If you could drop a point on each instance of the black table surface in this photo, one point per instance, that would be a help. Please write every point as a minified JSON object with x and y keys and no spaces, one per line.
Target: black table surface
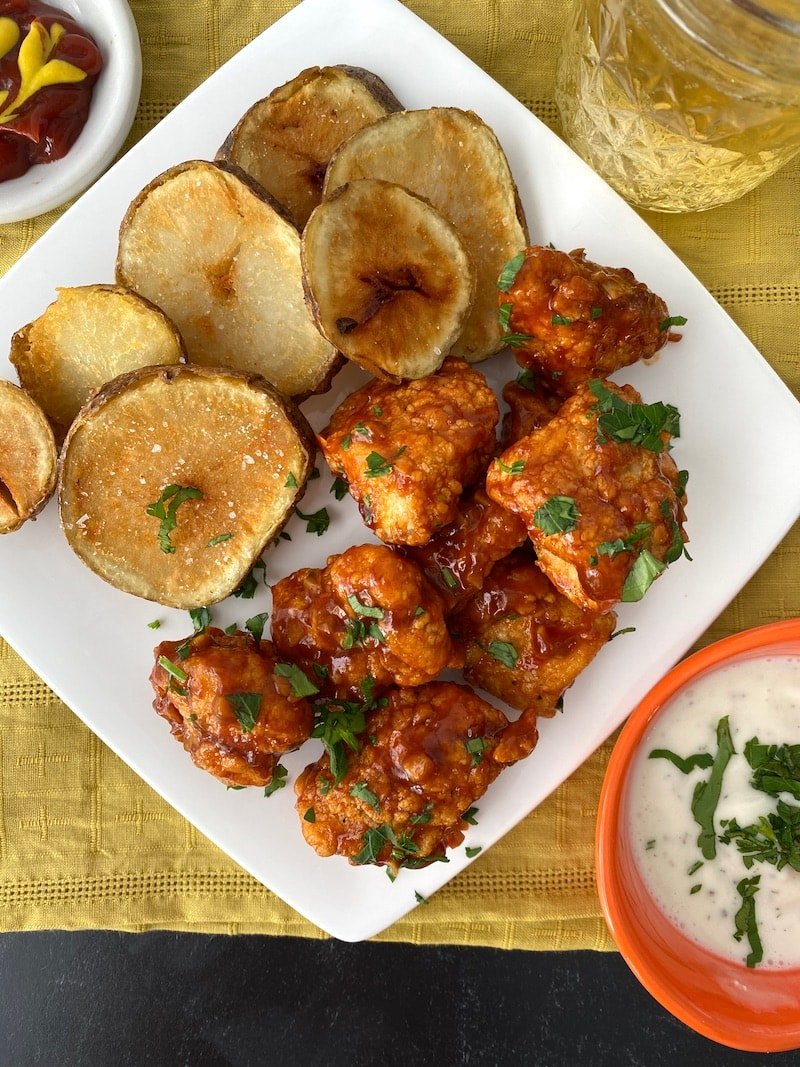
{"x":99,"y":998}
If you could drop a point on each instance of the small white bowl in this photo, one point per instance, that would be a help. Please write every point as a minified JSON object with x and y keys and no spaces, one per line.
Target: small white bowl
{"x":116,"y":95}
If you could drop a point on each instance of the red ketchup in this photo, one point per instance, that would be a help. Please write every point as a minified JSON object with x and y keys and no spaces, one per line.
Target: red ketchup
{"x":45,"y":92}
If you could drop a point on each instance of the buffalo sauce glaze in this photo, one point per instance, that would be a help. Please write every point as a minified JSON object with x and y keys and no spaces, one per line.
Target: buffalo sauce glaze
{"x":48,"y":69}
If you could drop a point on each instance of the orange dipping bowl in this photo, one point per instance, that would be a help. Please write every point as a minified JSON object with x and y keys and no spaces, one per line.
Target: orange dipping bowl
{"x":754,"y":1009}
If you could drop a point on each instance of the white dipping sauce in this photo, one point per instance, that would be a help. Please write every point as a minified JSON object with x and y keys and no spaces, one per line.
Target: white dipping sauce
{"x":762,"y":698}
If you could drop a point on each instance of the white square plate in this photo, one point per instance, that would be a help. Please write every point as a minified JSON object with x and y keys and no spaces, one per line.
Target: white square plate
{"x":741,"y":443}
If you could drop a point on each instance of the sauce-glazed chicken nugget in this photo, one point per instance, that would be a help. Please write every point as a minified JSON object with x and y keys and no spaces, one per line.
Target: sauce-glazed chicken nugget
{"x":368,"y":613}
{"x":408,"y":451}
{"x":459,"y":556}
{"x":583,"y":320}
{"x":523,"y":641}
{"x":428,"y":755}
{"x":531,"y":405}
{"x":599,"y":493}
{"x":226,"y":705}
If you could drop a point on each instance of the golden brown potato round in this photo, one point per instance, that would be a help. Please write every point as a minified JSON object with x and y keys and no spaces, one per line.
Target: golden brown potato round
{"x":86,"y":337}
{"x":227,"y":706}
{"x":387,"y":278}
{"x":27,"y":458}
{"x":175,"y":479}
{"x":285,"y":142}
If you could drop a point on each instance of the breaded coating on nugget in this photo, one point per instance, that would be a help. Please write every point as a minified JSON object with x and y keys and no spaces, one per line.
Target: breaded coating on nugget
{"x":368,"y":613}
{"x":583,"y":320}
{"x":226,"y":705}
{"x":427,"y":755}
{"x":599,"y":493}
{"x":408,"y":451}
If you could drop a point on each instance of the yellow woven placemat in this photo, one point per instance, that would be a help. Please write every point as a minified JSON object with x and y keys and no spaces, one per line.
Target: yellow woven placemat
{"x":84,"y":843}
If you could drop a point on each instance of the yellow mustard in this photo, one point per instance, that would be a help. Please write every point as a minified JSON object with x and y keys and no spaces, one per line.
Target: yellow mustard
{"x":37,"y":70}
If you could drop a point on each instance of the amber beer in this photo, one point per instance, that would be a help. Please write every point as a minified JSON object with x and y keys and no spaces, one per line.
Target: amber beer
{"x":682,"y":106}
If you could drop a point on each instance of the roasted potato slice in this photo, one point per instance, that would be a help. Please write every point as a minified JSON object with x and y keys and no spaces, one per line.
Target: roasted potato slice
{"x":216,"y":253}
{"x":27,"y":458}
{"x":387,"y":278}
{"x":86,"y":337}
{"x":286,"y":141}
{"x":452,"y":159}
{"x":174,"y":479}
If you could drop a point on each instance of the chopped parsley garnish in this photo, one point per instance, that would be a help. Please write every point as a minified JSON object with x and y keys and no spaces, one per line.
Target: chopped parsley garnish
{"x":220,"y":539}
{"x":596,"y":312}
{"x":651,"y":844}
{"x":362,"y":430}
{"x":469,"y":816}
{"x":346,"y":441}
{"x":695,"y":867}
{"x":641,"y":576}
{"x":516,"y":340}
{"x":172,"y":669}
{"x":776,"y":768}
{"x":745,"y":919}
{"x":422,"y":818}
{"x":672,"y":320}
{"x":291,"y":482}
{"x":155,"y":624}
{"x":448,"y":578}
{"x":277,"y":781}
{"x":680,"y":488}
{"x":516,"y":467}
{"x":378,"y":465}
{"x":320,"y":670}
{"x":166,"y":510}
{"x":504,"y":652}
{"x":475,"y":746}
{"x":707,"y":793}
{"x":230,"y":630}
{"x":316,"y":523}
{"x":624,"y":630}
{"x":419,"y":610}
{"x":284,"y":536}
{"x":527,"y":380}
{"x":561,"y":320}
{"x":301,"y":686}
{"x":356,"y":632}
{"x":339,"y":488}
{"x":247,"y":590}
{"x":361,"y":792}
{"x":255,"y":625}
{"x":685,"y":764}
{"x":367,"y":610}
{"x":377,"y":411}
{"x":314,"y":474}
{"x":513,"y":340}
{"x":373,"y":843}
{"x":184,"y":648}
{"x":695,"y":889}
{"x":773,"y":838}
{"x":310,"y":815}
{"x":246,"y":707}
{"x":201,"y":617}
{"x":339,"y":724}
{"x":509,"y":272}
{"x":624,"y":544}
{"x":557,"y":515}
{"x":633,"y":424}
{"x":473,"y":850}
{"x":420,"y":899}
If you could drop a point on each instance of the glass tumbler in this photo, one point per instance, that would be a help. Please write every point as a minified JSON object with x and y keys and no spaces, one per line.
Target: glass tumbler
{"x":682,"y":105}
